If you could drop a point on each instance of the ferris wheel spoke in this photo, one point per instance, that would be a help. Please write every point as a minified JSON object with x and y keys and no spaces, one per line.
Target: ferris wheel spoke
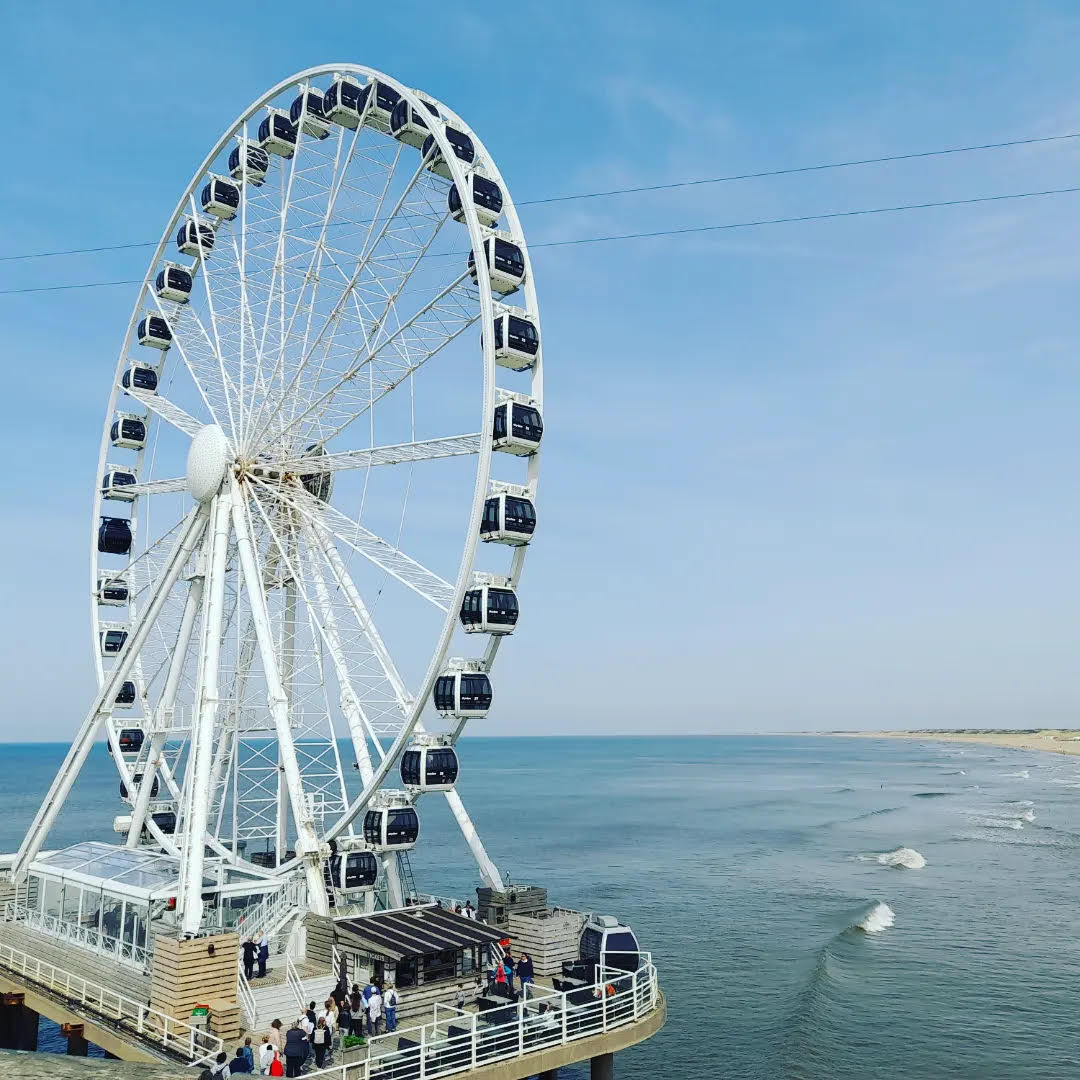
{"x":157,"y":487}
{"x":424,"y":450}
{"x":448,"y":319}
{"x":334,"y":317}
{"x":375,"y":549}
{"x":202,"y":373}
{"x":170,"y":412}
{"x":206,"y":277}
{"x":416,"y":255}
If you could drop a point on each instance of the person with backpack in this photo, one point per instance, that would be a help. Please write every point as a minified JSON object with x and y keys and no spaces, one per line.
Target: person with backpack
{"x":390,"y":1003}
{"x":320,"y":1040}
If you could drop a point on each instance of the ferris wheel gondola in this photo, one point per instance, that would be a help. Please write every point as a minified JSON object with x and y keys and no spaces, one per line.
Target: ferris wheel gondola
{"x":315,"y":408}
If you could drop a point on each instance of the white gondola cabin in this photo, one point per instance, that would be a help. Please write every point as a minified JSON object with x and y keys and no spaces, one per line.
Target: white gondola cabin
{"x":249,"y":162}
{"x":463,"y":691}
{"x":138,"y":779}
{"x":378,"y":106}
{"x":130,"y":741}
{"x":112,"y":589}
{"x":125,"y":698}
{"x":128,"y":431}
{"x":195,"y":238}
{"x":277,"y":134}
{"x":487,"y":198}
{"x":391,"y":823}
{"x":154,"y":331}
{"x":173,"y":282}
{"x":114,"y":536}
{"x":517,"y":427}
{"x":343,"y":102}
{"x":116,"y":482}
{"x":140,"y":377}
{"x":461,"y":144}
{"x":307,"y":109}
{"x":112,"y":639}
{"x":430,"y":763}
{"x":517,"y":340}
{"x":409,"y":126}
{"x":504,"y":262}
{"x":508,"y":519}
{"x":489,"y":607}
{"x":220,"y":196}
{"x":353,"y":871}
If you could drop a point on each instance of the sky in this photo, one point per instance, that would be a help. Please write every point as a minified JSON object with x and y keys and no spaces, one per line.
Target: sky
{"x":801,"y":476}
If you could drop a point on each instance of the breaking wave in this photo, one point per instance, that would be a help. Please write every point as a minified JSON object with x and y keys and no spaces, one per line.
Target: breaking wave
{"x":902,"y":858}
{"x":879,"y":917}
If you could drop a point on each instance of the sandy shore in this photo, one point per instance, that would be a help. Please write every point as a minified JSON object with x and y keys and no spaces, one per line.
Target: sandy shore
{"x":1050,"y":740}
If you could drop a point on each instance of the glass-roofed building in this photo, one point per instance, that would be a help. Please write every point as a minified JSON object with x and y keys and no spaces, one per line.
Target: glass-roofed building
{"x":114,"y":900}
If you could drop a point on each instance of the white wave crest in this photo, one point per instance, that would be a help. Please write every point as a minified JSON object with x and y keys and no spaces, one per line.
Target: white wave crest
{"x":879,"y":917}
{"x":1023,"y":774}
{"x":902,"y":858}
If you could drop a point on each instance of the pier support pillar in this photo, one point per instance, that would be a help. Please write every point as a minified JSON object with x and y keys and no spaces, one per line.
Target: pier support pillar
{"x":18,"y":1024}
{"x":77,"y":1046}
{"x":602,"y":1067}
{"x":551,"y":1074}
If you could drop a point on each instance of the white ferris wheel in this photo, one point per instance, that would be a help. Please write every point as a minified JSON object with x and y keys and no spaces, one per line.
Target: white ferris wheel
{"x":317,"y":485}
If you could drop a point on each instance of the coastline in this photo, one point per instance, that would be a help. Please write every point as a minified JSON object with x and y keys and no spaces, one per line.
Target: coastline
{"x":1045,"y":740}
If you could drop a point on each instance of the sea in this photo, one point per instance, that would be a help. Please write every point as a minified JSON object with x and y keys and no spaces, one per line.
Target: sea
{"x":818,"y":907}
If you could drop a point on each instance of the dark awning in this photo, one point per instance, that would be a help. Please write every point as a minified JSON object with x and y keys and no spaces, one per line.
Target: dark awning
{"x":407,"y":932}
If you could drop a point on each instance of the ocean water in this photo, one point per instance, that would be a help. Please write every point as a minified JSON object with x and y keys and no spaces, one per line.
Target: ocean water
{"x":794,"y":938}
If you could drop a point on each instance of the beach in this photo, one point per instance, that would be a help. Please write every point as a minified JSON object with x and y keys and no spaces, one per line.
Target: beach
{"x":1050,"y":740}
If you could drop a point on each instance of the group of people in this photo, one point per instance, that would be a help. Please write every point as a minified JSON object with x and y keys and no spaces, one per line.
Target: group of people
{"x":373,"y":1005}
{"x":256,"y":948}
{"x":501,"y":976}
{"x":311,"y":1036}
{"x":243,"y":1062}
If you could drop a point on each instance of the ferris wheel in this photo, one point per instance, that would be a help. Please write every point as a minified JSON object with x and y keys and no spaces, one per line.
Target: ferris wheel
{"x":317,"y":485}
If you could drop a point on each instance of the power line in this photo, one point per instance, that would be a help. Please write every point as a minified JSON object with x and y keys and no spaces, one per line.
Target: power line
{"x":831,"y":216}
{"x":673,"y":185}
{"x":802,"y":169}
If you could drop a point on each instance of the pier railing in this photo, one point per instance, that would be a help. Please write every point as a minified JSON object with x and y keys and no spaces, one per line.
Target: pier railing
{"x":456,"y":1041}
{"x":85,"y":937}
{"x":135,"y":1017}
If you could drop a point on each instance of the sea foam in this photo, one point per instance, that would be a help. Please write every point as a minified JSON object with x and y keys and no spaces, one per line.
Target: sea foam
{"x":902,"y":858}
{"x":879,"y":917}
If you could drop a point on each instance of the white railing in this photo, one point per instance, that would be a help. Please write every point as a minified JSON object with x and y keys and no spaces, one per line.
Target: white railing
{"x":248,"y":1006}
{"x":295,"y":983}
{"x":269,"y":913}
{"x":457,"y":1041}
{"x":133,"y":1016}
{"x":85,"y":937}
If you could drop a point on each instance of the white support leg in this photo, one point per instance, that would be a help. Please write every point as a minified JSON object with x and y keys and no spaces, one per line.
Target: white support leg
{"x":308,"y":847}
{"x":345,"y":582}
{"x":488,"y":871}
{"x":288,"y":672}
{"x":350,"y":703}
{"x":165,"y":708}
{"x":106,"y":695}
{"x":395,"y":895}
{"x":201,"y":759}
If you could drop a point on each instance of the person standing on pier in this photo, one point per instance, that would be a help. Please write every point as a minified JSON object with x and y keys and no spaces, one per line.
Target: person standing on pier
{"x":524,"y":971}
{"x":296,"y":1050}
{"x":374,"y":1011}
{"x":264,"y":953}
{"x":390,"y":1004}
{"x":266,"y":1055}
{"x":320,"y":1040}
{"x":250,"y":950}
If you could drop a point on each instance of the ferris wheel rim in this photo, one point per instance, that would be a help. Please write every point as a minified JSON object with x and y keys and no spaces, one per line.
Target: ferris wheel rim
{"x":486,"y":304}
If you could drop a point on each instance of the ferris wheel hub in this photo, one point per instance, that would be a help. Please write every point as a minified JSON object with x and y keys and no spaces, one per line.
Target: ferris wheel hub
{"x":207,"y":463}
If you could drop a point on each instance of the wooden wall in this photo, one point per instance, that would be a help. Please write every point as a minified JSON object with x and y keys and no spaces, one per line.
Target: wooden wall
{"x":184,"y":975}
{"x":319,"y":948}
{"x":549,"y":939}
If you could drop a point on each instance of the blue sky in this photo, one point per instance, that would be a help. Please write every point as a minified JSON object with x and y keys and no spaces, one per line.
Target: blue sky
{"x":798,"y":476}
